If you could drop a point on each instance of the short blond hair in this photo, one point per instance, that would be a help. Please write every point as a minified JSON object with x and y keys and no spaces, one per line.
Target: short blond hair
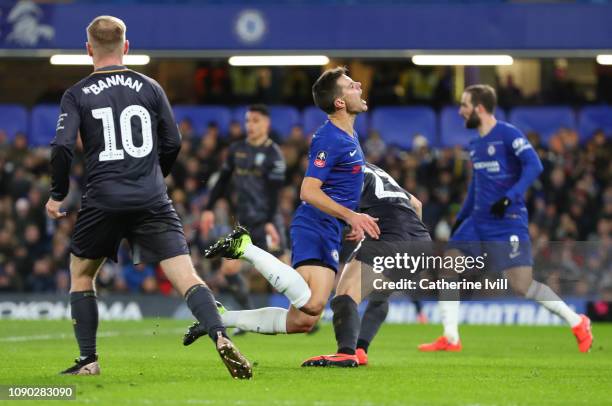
{"x":106,"y":34}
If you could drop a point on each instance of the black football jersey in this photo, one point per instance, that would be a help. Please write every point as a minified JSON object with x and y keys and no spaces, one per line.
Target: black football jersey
{"x":379,"y":188}
{"x":129,"y":135}
{"x":257,"y":174}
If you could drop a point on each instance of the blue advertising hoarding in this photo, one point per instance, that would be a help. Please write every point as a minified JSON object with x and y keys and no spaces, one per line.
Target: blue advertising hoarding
{"x":315,"y":28}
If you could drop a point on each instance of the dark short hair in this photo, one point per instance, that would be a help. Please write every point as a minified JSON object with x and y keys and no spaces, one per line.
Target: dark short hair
{"x":325,"y":90}
{"x":259,"y":108}
{"x":483,"y":94}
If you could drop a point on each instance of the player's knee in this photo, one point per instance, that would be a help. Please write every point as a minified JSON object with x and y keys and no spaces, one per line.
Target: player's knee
{"x":304,"y":325}
{"x":313,"y":307}
{"x":520,"y":289}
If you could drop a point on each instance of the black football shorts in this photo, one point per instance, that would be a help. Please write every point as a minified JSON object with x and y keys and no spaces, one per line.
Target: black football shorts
{"x":398,"y":227}
{"x":154,"y":234}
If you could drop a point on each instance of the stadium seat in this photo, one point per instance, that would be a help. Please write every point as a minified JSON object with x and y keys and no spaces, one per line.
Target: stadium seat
{"x":314,"y":117}
{"x":545,"y":120}
{"x":593,"y":118}
{"x":43,"y":123}
{"x":452,"y":127}
{"x":398,"y":125}
{"x":200,"y":116}
{"x":13,"y":119}
{"x":282,"y":118}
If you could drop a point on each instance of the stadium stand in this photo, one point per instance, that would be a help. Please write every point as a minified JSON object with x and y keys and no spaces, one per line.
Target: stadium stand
{"x":436,"y":173}
{"x":282,"y":118}
{"x":398,"y":125}
{"x":544,"y":120}
{"x":201,"y":116}
{"x":592,"y":119}
{"x":14,"y":119}
{"x":42,"y":127}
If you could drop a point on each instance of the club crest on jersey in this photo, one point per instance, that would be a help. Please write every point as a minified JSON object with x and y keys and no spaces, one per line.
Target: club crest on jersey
{"x":491,"y":150}
{"x":259,"y":158}
{"x":321,"y":159}
{"x":335,"y":255}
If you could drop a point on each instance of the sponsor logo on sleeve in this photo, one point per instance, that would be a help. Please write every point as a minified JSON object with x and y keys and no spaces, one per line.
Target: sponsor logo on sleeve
{"x":320,"y":159}
{"x":520,"y":145}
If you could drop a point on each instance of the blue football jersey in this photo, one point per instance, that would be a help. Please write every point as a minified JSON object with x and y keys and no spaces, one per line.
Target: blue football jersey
{"x":504,"y":165}
{"x":337,"y":160}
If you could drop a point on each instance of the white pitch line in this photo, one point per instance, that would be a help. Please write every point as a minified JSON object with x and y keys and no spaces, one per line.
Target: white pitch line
{"x":62,"y":336}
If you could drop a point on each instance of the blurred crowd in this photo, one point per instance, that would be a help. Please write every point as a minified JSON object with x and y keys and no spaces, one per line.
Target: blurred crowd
{"x":571,"y":203}
{"x":389,"y":83}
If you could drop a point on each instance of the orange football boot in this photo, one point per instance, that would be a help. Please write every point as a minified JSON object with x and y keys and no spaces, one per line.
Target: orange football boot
{"x":441,"y":344}
{"x":362,"y":356}
{"x":583,"y":334}
{"x":332,"y":360}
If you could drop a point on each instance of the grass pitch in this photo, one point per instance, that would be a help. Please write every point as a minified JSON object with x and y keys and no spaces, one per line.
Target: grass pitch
{"x":144,"y":363}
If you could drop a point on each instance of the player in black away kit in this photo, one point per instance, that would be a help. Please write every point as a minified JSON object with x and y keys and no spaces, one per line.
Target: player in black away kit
{"x":256,"y":168}
{"x":399,"y":220}
{"x":131,"y":141}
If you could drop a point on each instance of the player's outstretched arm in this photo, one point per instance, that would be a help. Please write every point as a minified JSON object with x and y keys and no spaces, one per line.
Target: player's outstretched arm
{"x":311,"y":193}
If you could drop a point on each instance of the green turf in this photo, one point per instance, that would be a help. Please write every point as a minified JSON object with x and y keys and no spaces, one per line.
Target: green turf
{"x":144,"y":363}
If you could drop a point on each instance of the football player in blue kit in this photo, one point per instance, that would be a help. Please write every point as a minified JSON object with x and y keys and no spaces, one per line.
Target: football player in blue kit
{"x":494,"y":213}
{"x":330,"y":194}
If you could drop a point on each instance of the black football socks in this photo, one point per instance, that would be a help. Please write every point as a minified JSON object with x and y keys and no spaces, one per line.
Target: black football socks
{"x":375,"y":314}
{"x":346,"y":323}
{"x":84,"y":311}
{"x":201,"y":302}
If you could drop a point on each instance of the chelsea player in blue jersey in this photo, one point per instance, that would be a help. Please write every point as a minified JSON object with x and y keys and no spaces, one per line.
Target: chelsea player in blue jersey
{"x":330,"y":194}
{"x":494,"y":213}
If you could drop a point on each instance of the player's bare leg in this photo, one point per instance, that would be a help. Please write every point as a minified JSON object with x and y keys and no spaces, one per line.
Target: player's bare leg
{"x":180,"y":272}
{"x":521,"y":281}
{"x":320,"y":280}
{"x":350,"y":281}
{"x":84,"y":313}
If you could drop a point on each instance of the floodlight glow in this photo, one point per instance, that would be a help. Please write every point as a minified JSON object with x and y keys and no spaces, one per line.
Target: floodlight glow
{"x":86,"y":60}
{"x":279,"y":60}
{"x":465,"y":60}
{"x":604,"y":59}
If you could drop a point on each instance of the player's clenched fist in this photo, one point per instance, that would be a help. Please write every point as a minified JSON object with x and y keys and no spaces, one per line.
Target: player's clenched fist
{"x":53,"y":209}
{"x":363,"y":224}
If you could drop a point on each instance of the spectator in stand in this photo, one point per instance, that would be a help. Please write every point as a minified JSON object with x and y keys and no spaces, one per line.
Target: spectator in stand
{"x":139,"y":278}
